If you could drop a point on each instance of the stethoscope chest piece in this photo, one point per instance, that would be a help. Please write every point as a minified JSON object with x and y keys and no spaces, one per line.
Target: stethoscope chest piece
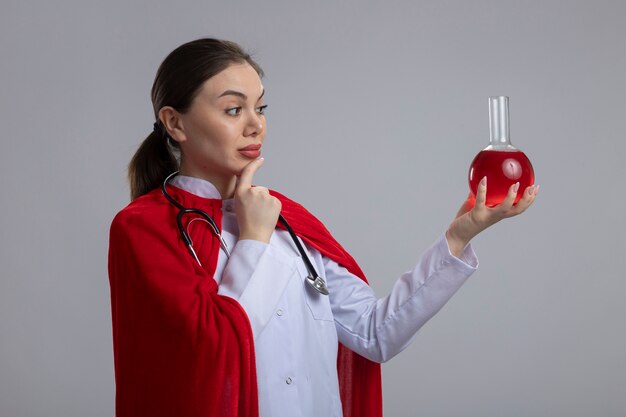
{"x":318,"y":284}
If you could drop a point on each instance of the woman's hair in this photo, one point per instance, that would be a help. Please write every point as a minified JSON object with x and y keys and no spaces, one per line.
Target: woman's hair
{"x":178,"y":81}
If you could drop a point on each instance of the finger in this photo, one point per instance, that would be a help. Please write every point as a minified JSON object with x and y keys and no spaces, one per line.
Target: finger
{"x":529,"y":194}
{"x":244,"y":181}
{"x":525,"y":201}
{"x":507,"y":203}
{"x":481,"y":192}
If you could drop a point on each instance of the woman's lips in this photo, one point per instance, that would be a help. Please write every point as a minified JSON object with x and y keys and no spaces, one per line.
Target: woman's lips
{"x":251,"y":151}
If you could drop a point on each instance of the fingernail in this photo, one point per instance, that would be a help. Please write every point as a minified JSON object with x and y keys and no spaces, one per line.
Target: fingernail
{"x":261,"y":159}
{"x":483,"y":181}
{"x":516,"y":187}
{"x":536,"y":189}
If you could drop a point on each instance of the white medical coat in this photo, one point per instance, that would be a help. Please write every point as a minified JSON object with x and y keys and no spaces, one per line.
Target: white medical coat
{"x":296,"y":329}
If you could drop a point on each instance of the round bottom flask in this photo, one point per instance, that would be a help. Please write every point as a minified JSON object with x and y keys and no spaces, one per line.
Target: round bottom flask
{"x":500,"y":162}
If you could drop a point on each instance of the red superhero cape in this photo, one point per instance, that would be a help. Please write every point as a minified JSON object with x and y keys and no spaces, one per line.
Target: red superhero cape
{"x":181,"y":349}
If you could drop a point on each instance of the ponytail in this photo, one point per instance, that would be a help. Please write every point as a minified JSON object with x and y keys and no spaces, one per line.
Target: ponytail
{"x":151,"y":164}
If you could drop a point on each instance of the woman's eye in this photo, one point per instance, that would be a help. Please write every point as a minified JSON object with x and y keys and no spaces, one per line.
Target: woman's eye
{"x":261,"y":109}
{"x":233,"y":111}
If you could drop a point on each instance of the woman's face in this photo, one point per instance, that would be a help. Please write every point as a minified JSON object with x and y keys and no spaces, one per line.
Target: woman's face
{"x":225,"y":126}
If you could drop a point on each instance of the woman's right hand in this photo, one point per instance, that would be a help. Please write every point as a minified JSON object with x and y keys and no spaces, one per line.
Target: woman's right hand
{"x":257,"y":211}
{"x":474,"y":216}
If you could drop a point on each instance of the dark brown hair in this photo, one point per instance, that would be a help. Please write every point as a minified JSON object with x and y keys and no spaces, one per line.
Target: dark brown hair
{"x":178,"y":81}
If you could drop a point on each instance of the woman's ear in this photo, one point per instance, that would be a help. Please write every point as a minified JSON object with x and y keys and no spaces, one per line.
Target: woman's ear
{"x":173,"y":123}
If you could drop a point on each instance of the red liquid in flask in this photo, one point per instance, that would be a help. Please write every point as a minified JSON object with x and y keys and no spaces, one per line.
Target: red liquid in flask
{"x":502,"y":169}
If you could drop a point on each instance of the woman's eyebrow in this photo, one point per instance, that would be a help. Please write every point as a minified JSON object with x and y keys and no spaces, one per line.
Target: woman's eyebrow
{"x":233,"y":93}
{"x":238,"y":94}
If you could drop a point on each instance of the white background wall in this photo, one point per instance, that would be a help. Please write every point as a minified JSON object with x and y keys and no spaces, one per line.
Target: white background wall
{"x":376,"y":111}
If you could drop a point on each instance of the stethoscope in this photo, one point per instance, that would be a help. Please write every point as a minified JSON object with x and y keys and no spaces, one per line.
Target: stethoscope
{"x":313,"y":279}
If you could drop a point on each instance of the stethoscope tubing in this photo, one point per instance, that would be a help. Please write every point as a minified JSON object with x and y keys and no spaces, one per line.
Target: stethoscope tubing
{"x":313,"y":279}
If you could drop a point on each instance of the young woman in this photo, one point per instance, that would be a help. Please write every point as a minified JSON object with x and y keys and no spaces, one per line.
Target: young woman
{"x":218,"y":308}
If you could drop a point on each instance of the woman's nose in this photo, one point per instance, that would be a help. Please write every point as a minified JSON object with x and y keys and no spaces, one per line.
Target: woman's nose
{"x":254,"y":125}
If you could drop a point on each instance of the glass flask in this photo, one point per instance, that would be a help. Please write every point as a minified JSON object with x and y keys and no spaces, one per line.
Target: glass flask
{"x":500,"y":162}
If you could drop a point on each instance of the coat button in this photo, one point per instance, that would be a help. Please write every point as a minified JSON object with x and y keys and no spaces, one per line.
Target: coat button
{"x":288,"y":381}
{"x":279,"y":312}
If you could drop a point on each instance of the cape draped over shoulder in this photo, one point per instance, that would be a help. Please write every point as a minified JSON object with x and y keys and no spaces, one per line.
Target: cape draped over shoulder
{"x":180,"y":348}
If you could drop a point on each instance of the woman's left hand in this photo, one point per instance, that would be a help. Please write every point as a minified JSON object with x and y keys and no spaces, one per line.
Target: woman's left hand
{"x":474,"y":216}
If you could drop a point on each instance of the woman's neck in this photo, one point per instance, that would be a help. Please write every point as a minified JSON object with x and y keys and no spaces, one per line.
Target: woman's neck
{"x":224,"y":184}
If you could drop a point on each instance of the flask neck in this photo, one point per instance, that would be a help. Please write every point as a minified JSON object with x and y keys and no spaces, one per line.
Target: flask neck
{"x":499,"y":134}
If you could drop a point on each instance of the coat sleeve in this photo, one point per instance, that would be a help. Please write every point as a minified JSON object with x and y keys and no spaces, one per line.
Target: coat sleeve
{"x":379,"y":329}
